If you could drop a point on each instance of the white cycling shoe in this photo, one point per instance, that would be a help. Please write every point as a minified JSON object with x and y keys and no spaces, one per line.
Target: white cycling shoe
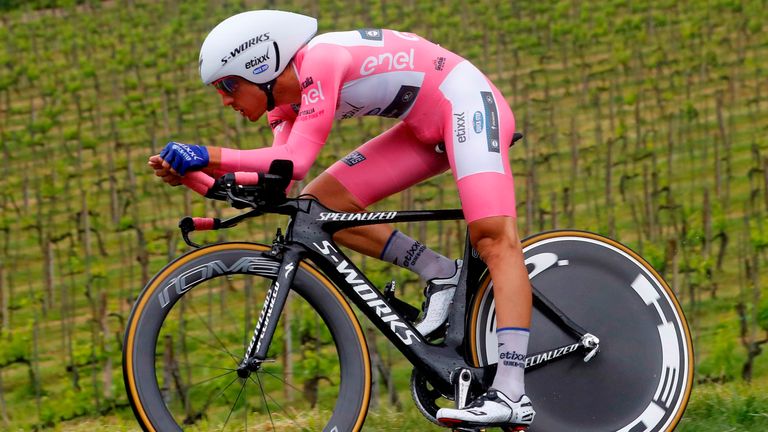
{"x":439,"y":293}
{"x":493,"y":408}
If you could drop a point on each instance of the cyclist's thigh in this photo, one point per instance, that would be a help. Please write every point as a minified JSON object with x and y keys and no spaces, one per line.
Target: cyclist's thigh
{"x":387,"y":164}
{"x":478,"y":135}
{"x":332,"y":193}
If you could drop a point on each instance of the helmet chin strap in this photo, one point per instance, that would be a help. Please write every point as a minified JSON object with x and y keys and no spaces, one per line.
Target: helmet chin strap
{"x":267,"y":88}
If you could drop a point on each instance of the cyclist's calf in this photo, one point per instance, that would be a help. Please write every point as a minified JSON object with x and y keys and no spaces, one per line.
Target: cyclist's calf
{"x":496,"y":240}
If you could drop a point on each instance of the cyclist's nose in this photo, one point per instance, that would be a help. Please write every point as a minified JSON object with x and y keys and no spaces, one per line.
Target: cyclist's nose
{"x":227,"y":100}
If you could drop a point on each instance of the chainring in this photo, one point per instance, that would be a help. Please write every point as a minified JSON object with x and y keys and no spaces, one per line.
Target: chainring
{"x":425,"y":396}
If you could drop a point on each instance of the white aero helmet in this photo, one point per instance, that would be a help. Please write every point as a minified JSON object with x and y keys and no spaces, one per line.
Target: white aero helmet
{"x":255,"y":45}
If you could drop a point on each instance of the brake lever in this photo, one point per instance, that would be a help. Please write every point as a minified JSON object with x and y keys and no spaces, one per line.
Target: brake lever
{"x":187,"y":225}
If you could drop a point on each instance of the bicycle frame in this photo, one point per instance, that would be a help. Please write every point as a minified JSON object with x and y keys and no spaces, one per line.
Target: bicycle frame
{"x":309,"y":235}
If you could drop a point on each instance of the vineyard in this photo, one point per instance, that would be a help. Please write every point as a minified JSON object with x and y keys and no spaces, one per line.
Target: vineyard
{"x":644,"y":120}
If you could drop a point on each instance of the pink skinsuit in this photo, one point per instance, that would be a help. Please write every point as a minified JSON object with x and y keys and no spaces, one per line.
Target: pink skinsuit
{"x":440,"y":98}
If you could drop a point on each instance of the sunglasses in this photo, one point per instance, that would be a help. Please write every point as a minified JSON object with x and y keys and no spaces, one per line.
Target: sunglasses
{"x":226,"y":86}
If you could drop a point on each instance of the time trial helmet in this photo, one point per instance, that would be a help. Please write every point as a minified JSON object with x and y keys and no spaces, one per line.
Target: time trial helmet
{"x":255,"y":45}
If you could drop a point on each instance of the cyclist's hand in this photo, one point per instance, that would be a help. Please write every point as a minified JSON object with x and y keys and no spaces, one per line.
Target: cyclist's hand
{"x":163,"y":170}
{"x":185,"y":157}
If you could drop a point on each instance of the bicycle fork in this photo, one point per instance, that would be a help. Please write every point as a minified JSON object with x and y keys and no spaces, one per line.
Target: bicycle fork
{"x":274,"y":302}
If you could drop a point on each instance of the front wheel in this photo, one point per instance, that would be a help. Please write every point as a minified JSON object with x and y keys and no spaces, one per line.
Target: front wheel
{"x":192,"y":324}
{"x":641,"y":378}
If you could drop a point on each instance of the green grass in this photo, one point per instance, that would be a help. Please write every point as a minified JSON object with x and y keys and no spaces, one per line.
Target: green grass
{"x":732,"y":407}
{"x":716,"y":408}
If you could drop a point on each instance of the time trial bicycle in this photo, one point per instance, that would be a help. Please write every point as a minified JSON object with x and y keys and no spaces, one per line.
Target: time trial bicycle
{"x":206,"y":349}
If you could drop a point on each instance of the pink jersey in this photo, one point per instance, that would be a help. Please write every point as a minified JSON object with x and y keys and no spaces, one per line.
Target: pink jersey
{"x":352,"y":74}
{"x":439,"y":96}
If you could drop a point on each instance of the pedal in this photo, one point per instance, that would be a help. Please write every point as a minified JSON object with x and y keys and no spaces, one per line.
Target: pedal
{"x":402,"y":308}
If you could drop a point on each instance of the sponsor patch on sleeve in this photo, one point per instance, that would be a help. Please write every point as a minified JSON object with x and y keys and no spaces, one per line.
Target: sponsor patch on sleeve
{"x":371,"y":34}
{"x":353,"y":158}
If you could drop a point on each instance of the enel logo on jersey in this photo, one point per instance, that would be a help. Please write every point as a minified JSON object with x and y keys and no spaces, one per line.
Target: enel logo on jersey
{"x":313,"y":95}
{"x":388,"y":62}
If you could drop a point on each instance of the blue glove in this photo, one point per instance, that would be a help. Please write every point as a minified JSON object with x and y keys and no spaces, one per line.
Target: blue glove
{"x":185,"y":157}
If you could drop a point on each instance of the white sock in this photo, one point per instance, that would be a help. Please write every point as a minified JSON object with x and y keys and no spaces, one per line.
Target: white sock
{"x":412,"y":255}
{"x":513,"y":349}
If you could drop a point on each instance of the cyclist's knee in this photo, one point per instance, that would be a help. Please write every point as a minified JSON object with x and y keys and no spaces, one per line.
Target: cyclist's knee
{"x":494,"y":237}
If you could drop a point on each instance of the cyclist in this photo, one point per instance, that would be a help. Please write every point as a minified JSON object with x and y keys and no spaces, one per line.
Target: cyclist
{"x":452,"y":117}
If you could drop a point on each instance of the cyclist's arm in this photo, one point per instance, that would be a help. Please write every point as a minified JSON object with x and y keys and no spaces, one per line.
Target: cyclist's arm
{"x":280,"y":121}
{"x":322,"y":72}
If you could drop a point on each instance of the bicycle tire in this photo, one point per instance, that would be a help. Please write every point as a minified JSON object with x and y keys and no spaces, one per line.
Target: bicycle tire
{"x":641,"y":379}
{"x":149,"y":375}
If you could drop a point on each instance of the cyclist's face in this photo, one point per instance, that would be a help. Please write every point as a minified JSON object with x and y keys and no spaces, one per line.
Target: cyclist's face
{"x":246,"y":98}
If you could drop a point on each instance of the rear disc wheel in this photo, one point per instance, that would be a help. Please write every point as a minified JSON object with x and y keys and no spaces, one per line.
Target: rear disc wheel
{"x":641,"y":378}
